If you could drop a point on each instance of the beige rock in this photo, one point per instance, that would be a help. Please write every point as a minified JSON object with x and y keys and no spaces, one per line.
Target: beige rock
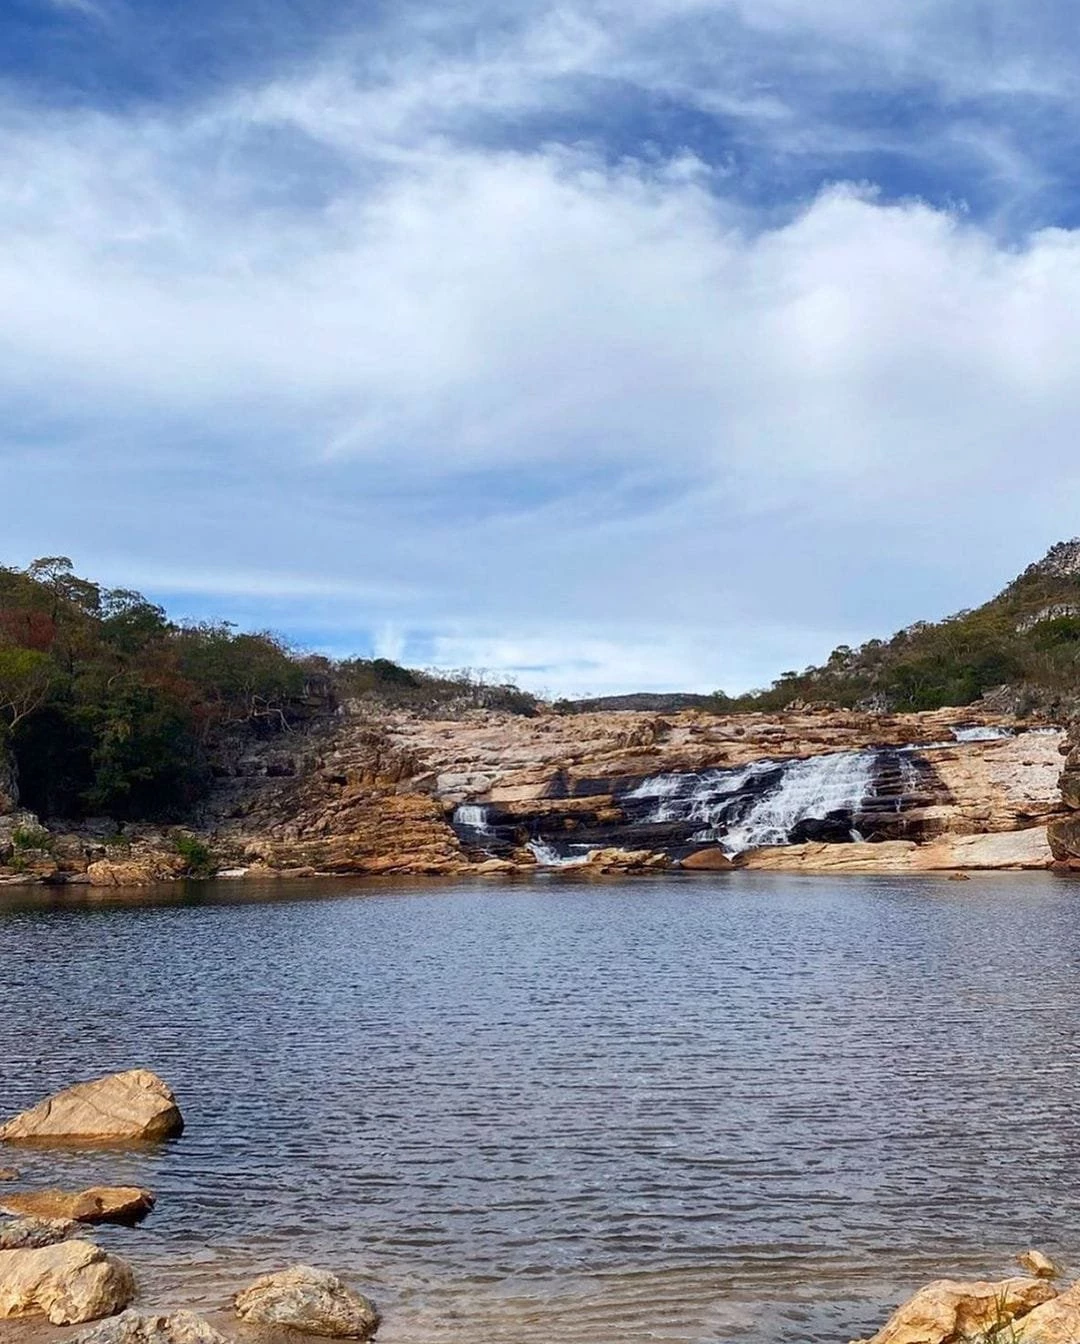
{"x":711,"y":860}
{"x":124,"y":1106}
{"x":140,"y":872}
{"x":101,"y":1204}
{"x":1035,"y":1262}
{"x":8,"y":1174}
{"x":614,"y":860}
{"x":891,"y":856}
{"x":1006,"y":849}
{"x":945,"y":1311}
{"x":29,"y":1234}
{"x":1056,"y":1322}
{"x":69,"y":1283}
{"x":135,"y":1327}
{"x":311,"y":1301}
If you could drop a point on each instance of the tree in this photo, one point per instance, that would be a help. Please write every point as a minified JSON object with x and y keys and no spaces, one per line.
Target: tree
{"x":25,"y":676}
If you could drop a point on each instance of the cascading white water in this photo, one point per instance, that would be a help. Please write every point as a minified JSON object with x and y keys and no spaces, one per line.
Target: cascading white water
{"x":705,"y":797}
{"x":473,"y":816}
{"x":982,"y":734}
{"x":808,"y":789}
{"x":549,"y":857}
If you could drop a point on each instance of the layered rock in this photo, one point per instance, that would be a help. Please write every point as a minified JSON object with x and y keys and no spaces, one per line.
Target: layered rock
{"x":135,"y":1105}
{"x":71,"y":1282}
{"x":101,"y":1204}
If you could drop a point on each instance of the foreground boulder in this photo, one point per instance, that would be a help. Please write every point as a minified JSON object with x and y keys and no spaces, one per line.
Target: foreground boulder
{"x":124,"y":1106}
{"x":136,"y":1327}
{"x":948,"y":1311}
{"x":1056,"y":1322}
{"x":100,"y":1204}
{"x":311,"y":1301}
{"x":31,"y":1234}
{"x":69,"y":1283}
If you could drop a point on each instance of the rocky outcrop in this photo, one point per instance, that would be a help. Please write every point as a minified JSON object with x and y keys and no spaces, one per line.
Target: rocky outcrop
{"x":101,"y":1204}
{"x":1006,"y":850}
{"x":31,"y":1234}
{"x":136,"y":1105}
{"x":135,"y":1327}
{"x":311,"y":1301}
{"x":1038,"y":1264}
{"x":1055,"y":1322}
{"x":948,"y":1311}
{"x":68,"y":1283}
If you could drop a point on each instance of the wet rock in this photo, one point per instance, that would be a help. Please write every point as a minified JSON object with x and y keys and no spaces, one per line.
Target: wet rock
{"x":136,"y":1105}
{"x":141,"y":872}
{"x":136,"y":1327}
{"x":947,"y":1311}
{"x":69,"y":1283}
{"x":31,"y":1234}
{"x":312,"y":1301}
{"x":8,"y":1174}
{"x":1038,"y":1264}
{"x":625,"y":860}
{"x":101,"y":1204}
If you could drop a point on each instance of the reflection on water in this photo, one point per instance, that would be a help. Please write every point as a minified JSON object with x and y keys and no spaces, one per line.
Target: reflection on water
{"x":753,"y":1108}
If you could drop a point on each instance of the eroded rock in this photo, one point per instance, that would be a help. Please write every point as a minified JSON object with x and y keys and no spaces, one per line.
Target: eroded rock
{"x":1056,"y":1322}
{"x":136,"y":1327}
{"x":947,"y":1310}
{"x":312,"y":1301}
{"x":1035,"y":1262}
{"x":136,"y":1105}
{"x":31,"y":1234}
{"x":100,"y":1204}
{"x":68,"y":1283}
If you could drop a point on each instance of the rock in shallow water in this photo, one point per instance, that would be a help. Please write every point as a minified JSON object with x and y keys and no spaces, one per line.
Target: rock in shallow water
{"x":136,"y":1105}
{"x":101,"y":1204}
{"x":136,"y":1327}
{"x":72,"y":1282}
{"x":311,"y":1301}
{"x":31,"y":1234}
{"x":948,"y":1310}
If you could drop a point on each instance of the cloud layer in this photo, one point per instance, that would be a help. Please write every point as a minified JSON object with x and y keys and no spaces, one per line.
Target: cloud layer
{"x":552,"y":341}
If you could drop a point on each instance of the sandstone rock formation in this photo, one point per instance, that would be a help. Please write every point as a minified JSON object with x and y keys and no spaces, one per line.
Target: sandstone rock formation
{"x":158,"y":867}
{"x":30,"y":1234}
{"x":311,"y":1301}
{"x":948,"y":1311}
{"x":135,"y":1327}
{"x":68,"y":1283}
{"x":1056,"y":1322}
{"x":136,"y":1105}
{"x":101,"y":1204}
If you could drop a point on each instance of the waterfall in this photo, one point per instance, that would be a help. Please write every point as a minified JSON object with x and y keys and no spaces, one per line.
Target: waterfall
{"x":982,"y":734}
{"x":808,"y":790}
{"x":549,"y":857}
{"x":472,"y":817}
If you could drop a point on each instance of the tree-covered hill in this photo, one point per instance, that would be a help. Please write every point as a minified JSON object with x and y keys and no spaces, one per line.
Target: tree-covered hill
{"x":108,"y":707}
{"x":1027,"y":638}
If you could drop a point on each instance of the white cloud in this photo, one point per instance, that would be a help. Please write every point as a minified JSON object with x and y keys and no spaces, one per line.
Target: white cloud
{"x":539,"y":410}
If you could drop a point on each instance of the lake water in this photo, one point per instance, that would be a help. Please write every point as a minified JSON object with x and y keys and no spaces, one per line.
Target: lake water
{"x":746,"y":1108}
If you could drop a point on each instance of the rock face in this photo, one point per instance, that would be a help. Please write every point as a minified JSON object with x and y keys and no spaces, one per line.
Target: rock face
{"x":947,"y":1311}
{"x":136,"y":1105}
{"x":1056,"y":1322}
{"x":311,"y":1301}
{"x":69,"y":1283}
{"x":101,"y":1204}
{"x":134,"y":1327}
{"x":159,"y":867}
{"x":31,"y":1234}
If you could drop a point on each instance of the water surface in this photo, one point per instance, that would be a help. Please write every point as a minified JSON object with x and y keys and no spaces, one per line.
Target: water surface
{"x":747,"y":1108}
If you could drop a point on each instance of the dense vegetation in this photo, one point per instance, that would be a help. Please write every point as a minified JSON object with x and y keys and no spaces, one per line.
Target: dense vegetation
{"x":1027,"y":638}
{"x":108,"y":707}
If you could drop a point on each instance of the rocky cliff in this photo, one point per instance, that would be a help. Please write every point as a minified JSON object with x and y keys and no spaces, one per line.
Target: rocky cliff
{"x":369,"y":793}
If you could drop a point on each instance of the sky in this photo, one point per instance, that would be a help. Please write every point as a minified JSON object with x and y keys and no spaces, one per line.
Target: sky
{"x":592,"y":345}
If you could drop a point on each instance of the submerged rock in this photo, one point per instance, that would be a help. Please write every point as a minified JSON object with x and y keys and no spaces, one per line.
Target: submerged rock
{"x":135,"y":1327}
{"x":31,"y":1234}
{"x":311,"y":1301}
{"x":124,"y":1106}
{"x":101,"y":1204}
{"x":69,"y":1283}
{"x":1035,"y":1262}
{"x":8,"y":1174}
{"x":947,"y":1311}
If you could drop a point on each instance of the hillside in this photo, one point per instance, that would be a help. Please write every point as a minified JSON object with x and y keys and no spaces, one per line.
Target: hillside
{"x":1023,"y":644}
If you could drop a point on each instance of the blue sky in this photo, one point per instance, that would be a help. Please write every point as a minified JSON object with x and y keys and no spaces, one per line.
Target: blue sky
{"x":599,"y":346}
